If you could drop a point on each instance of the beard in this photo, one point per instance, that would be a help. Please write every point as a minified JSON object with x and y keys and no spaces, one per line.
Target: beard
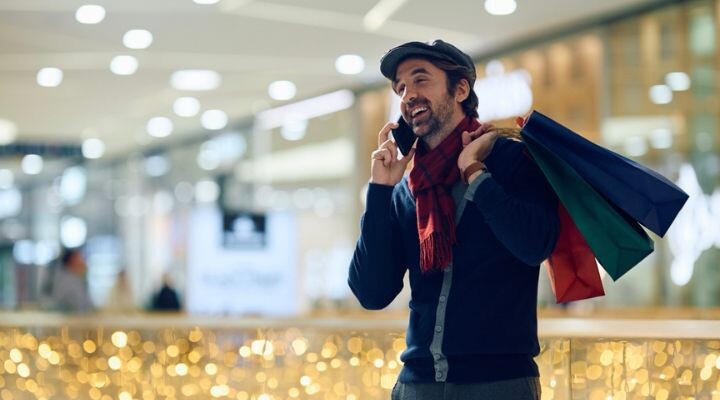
{"x":440,"y":115}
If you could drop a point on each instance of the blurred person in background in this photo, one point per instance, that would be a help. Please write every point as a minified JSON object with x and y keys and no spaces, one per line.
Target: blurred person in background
{"x":166,"y":299}
{"x":471,"y":223}
{"x":69,"y":287}
{"x":120,"y":299}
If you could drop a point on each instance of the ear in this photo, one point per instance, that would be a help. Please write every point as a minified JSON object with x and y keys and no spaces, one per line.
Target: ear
{"x":462,"y":90}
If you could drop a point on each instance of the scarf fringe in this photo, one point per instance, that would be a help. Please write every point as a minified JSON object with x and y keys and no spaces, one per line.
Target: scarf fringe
{"x":436,"y":251}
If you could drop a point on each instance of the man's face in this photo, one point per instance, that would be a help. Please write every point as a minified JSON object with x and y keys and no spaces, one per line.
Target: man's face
{"x":425,"y":102}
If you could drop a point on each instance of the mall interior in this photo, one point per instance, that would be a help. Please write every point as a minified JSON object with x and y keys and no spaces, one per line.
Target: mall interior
{"x":210,"y":160}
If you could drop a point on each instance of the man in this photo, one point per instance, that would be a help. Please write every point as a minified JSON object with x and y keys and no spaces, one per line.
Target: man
{"x":471,"y":223}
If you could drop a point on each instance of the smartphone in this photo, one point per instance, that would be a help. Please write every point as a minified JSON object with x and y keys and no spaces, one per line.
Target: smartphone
{"x":404,"y":136}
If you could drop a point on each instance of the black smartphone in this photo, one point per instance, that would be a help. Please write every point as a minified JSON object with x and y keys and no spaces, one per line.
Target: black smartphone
{"x":404,"y":136}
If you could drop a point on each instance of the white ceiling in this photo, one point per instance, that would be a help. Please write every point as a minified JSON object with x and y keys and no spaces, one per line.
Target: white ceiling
{"x":249,"y":42}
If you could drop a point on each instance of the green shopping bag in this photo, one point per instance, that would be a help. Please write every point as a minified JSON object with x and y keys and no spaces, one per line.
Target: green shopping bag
{"x":618,"y":242}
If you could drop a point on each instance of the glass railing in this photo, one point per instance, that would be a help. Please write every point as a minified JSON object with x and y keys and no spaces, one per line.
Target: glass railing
{"x":51,"y":356}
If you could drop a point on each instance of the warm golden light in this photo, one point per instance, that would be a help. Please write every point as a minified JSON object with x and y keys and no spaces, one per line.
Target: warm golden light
{"x":16,"y":355}
{"x":296,"y":364}
{"x":119,"y":339}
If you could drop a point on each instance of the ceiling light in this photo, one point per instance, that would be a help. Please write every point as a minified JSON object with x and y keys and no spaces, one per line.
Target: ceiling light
{"x":282,"y":90}
{"x":350,"y":64}
{"x":208,"y":159}
{"x":7,"y":178}
{"x":195,"y":79}
{"x":73,"y":185}
{"x":23,"y":251}
{"x":49,"y":77}
{"x":229,"y":146}
{"x":32,"y":164}
{"x":90,"y":14}
{"x":8,"y":131}
{"x":157,"y":165}
{"x":137,"y":39}
{"x":214,"y":119}
{"x":10,"y":202}
{"x":661,"y":94}
{"x":124,"y":65}
{"x":678,"y":81}
{"x":186,"y":106}
{"x":207,"y":191}
{"x":159,"y":127}
{"x":206,"y":1}
{"x":500,"y":7}
{"x":307,"y":109}
{"x":73,"y":232}
{"x":295,"y":127}
{"x":93,"y":148}
{"x":384,"y":9}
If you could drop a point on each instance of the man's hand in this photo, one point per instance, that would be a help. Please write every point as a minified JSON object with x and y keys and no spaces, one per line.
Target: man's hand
{"x":385,"y":168}
{"x":477,"y":145}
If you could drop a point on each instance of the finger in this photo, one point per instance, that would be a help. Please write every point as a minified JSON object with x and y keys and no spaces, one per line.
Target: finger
{"x":405,"y":160}
{"x":492,"y":135}
{"x":480,"y":131}
{"x":385,"y":131}
{"x":466,"y":138}
{"x":486,"y":127}
{"x":390,"y":145}
{"x":390,"y":157}
{"x":377,"y":155}
{"x":476,"y":134}
{"x":382,"y":155}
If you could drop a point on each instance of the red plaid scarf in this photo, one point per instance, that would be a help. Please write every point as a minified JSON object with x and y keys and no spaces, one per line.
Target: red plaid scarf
{"x":431,"y":180}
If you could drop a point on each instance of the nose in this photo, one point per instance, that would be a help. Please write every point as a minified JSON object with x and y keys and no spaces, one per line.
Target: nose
{"x":408,"y":96}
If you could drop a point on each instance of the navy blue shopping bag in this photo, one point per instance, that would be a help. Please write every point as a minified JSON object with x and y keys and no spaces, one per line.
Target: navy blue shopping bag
{"x":643,"y":194}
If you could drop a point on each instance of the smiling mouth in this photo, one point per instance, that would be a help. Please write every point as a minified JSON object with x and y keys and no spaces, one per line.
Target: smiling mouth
{"x":418,"y":112}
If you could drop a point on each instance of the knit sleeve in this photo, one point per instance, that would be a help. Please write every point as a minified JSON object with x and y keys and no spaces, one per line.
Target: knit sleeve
{"x":518,"y":203}
{"x":377,"y":269}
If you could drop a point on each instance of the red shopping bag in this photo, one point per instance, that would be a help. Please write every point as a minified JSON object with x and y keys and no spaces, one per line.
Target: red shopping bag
{"x":572,"y":268}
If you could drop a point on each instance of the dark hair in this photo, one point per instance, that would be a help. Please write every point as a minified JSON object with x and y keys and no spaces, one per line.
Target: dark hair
{"x":455,"y":73}
{"x":67,"y":253}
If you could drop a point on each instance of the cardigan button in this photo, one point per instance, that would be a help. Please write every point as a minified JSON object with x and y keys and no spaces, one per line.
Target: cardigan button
{"x":442,"y":299}
{"x":438,"y":328}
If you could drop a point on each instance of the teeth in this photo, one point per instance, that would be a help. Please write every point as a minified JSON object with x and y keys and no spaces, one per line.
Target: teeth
{"x":417,"y":110}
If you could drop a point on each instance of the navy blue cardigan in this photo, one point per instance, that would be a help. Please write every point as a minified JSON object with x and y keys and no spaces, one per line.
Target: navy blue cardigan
{"x":507,"y":229}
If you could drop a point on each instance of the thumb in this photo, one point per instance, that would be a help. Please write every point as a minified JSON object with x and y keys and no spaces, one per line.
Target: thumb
{"x":405,"y":160}
{"x":466,"y":138}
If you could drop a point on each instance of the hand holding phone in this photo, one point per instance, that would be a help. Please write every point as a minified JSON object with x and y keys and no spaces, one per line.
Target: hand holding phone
{"x":386,"y":168}
{"x":404,"y":136}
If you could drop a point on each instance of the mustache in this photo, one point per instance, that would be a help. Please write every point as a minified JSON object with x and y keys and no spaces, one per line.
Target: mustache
{"x":417,"y":102}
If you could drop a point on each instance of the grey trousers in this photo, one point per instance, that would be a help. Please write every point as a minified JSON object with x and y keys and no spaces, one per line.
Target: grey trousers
{"x":512,"y":389}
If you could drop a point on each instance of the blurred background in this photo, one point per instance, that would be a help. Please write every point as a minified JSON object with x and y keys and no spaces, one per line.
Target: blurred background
{"x":225,"y":144}
{"x":220,"y":149}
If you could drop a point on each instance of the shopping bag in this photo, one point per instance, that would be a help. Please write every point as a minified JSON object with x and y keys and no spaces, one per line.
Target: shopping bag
{"x":618,"y":242}
{"x":643,"y":194}
{"x":571,"y":267}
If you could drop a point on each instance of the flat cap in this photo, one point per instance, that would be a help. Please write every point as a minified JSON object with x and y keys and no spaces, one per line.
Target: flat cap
{"x":437,"y":49}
